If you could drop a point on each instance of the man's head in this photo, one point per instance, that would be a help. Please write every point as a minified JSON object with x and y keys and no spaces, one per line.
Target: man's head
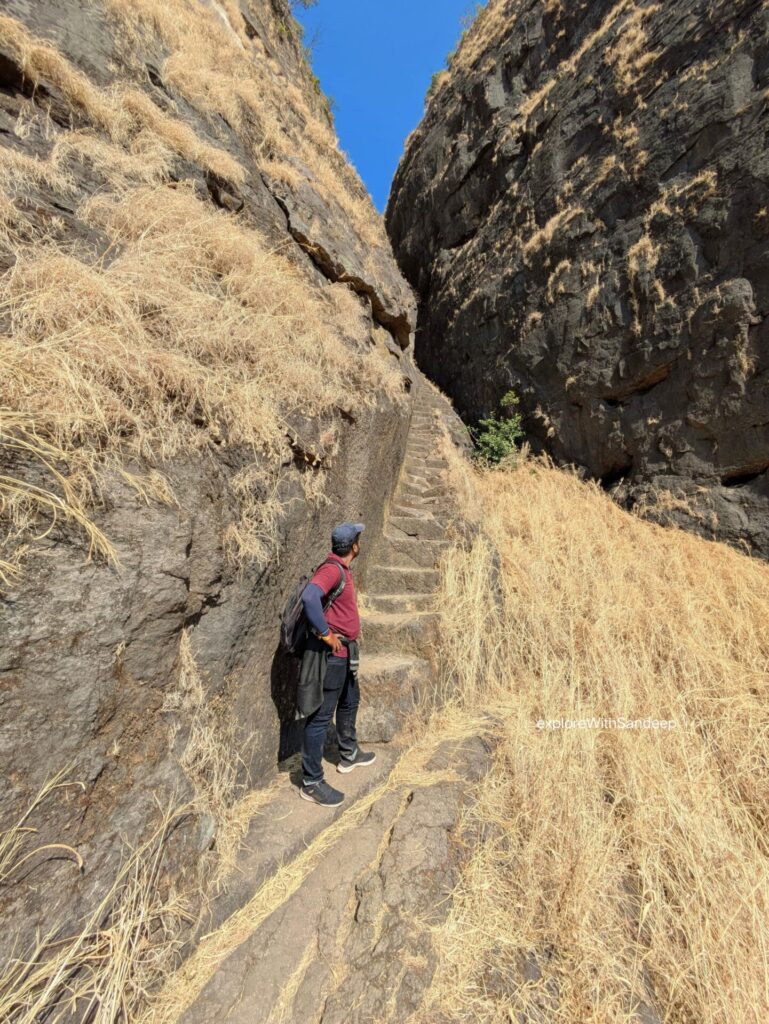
{"x":345,"y":540}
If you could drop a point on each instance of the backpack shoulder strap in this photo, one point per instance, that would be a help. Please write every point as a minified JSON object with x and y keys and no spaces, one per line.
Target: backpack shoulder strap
{"x":335,"y":593}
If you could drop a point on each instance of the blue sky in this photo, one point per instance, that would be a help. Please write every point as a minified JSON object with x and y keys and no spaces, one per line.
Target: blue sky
{"x":376,"y":59}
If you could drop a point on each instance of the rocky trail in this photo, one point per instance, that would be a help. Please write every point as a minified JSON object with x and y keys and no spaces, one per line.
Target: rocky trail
{"x":326,"y":916}
{"x":209,"y":339}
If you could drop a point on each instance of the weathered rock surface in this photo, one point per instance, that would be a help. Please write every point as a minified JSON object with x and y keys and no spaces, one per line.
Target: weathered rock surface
{"x":584,"y":214}
{"x":353,"y":942}
{"x":89,"y":656}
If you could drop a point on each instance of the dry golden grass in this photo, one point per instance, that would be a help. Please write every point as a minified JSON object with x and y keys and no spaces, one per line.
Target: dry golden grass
{"x":629,"y":865}
{"x":555,"y":284}
{"x":213,"y":761}
{"x":631,"y":54}
{"x":627,"y":55}
{"x":21,"y":170}
{"x":190,"y":331}
{"x":642,"y":259}
{"x":16,"y":840}
{"x":544,"y":235}
{"x":219,"y":70}
{"x":209,"y":758}
{"x":684,"y":196}
{"x":15,"y":225}
{"x":22,"y":501}
{"x":126,"y":115}
{"x":489,"y":21}
{"x":149,"y":160}
{"x":195,"y":333}
{"x":103,"y":972}
{"x":105,"y":969}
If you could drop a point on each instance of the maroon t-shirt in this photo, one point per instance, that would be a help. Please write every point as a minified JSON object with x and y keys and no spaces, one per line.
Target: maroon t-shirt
{"x":342,"y":617}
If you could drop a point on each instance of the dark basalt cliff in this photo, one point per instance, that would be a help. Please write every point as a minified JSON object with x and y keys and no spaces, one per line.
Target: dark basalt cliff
{"x":584,"y":212}
{"x":148,"y":683}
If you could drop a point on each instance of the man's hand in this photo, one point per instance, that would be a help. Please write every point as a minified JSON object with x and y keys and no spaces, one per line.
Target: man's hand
{"x":333,"y":642}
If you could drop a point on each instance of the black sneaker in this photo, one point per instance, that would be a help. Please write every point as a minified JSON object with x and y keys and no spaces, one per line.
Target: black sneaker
{"x":358,"y":760}
{"x":321,"y":793}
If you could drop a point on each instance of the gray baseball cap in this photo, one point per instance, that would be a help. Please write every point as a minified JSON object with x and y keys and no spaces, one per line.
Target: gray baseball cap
{"x":346,"y":533}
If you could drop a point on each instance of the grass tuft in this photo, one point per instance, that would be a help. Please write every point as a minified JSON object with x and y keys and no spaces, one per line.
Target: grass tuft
{"x":193,"y":333}
{"x":104,"y":971}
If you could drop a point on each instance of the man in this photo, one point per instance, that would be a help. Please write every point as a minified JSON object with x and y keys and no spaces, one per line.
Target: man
{"x":329,"y":677}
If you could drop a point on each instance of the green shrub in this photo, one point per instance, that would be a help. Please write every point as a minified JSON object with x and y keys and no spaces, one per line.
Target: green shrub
{"x":498,"y":436}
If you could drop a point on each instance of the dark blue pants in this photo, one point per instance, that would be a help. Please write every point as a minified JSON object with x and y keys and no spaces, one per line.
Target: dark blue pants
{"x":340,"y":694}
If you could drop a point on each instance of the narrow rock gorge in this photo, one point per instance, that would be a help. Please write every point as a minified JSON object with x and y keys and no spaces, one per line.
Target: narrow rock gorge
{"x":584,"y":213}
{"x":213,"y":350}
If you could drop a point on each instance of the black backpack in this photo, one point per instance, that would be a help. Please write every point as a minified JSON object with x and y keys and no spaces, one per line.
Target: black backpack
{"x":294,"y":627}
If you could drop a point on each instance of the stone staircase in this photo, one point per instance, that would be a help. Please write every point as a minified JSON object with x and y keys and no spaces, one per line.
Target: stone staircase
{"x":399,"y":623}
{"x":315,"y":921}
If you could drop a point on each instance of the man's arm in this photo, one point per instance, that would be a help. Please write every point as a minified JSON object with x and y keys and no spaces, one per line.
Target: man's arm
{"x":312,"y":599}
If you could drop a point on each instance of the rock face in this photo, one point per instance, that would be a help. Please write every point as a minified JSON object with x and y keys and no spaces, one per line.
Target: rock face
{"x":142,"y":682}
{"x":584,"y":213}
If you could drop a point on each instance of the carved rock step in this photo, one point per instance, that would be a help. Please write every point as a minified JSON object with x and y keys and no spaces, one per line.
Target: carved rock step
{"x":421,"y":492}
{"x":414,"y":489}
{"x":414,"y":632}
{"x":423,"y":497}
{"x":423,"y":476}
{"x":432,"y":460}
{"x":425,"y":459}
{"x":400,"y":602}
{"x":415,"y":526}
{"x":438,"y":507}
{"x":427,"y":478}
{"x":397,"y":549}
{"x":419,"y":465}
{"x":421,"y":448}
{"x":400,"y":900}
{"x":421,"y":511}
{"x":424,"y":466}
{"x":390,"y":686}
{"x":401,"y":579}
{"x":420,"y":469}
{"x":421,"y":452}
{"x":415,"y":510}
{"x":438,"y":514}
